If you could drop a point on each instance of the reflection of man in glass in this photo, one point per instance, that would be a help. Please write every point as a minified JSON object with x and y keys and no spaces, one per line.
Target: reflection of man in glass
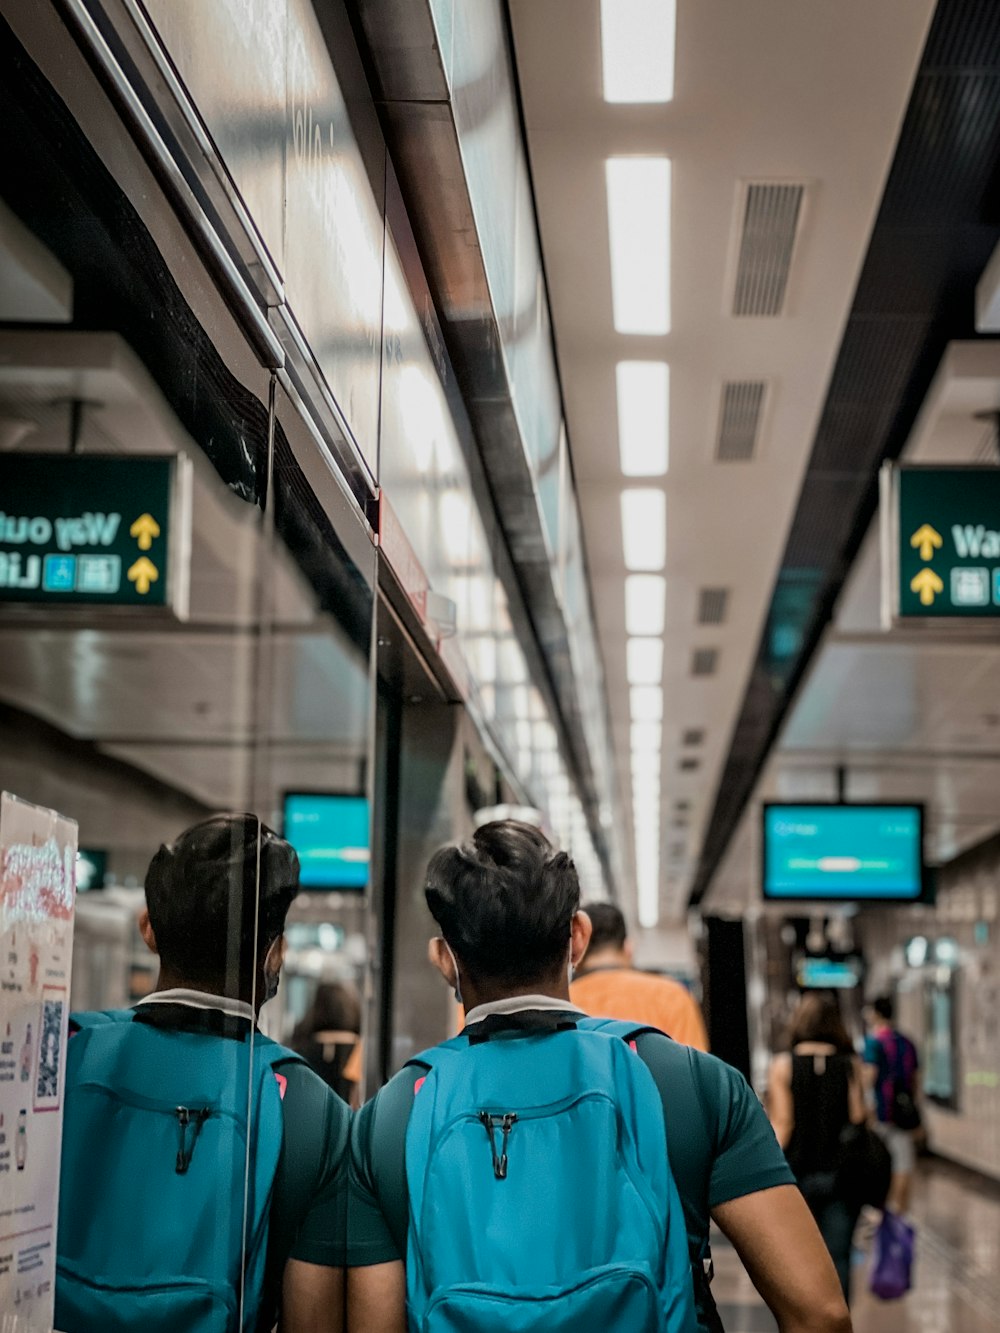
{"x":209,"y":1115}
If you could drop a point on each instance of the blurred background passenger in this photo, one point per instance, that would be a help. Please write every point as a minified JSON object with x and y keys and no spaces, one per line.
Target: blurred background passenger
{"x":327,"y":1035}
{"x":608,"y":985}
{"x":892,"y":1072}
{"x":815,"y":1090}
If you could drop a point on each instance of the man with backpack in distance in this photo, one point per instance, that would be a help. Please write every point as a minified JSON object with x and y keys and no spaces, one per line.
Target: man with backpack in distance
{"x":893,"y":1071}
{"x":203,"y":1185}
{"x":546,"y":1171}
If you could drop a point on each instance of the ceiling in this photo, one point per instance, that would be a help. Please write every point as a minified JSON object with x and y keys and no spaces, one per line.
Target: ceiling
{"x":766,"y":91}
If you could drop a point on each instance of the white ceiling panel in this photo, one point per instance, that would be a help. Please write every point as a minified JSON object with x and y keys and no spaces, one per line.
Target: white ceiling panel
{"x":767,"y":91}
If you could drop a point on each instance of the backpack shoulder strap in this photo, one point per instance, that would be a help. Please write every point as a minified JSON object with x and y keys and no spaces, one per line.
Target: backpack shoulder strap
{"x":272,"y":1052}
{"x":629,"y":1031}
{"x":430,"y":1058}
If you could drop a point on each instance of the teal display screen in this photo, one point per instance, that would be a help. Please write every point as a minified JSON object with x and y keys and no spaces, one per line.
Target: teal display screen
{"x":843,"y":853}
{"x":828,"y":973}
{"x":330,"y":834}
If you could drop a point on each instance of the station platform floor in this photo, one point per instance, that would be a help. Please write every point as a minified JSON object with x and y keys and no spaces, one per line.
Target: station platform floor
{"x":956,"y":1275}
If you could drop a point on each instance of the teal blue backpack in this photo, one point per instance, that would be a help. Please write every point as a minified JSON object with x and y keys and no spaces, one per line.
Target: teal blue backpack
{"x":152,"y":1229}
{"x":541,"y":1197}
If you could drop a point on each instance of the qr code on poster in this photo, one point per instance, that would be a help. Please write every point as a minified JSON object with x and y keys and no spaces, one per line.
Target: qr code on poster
{"x":49,"y":1051}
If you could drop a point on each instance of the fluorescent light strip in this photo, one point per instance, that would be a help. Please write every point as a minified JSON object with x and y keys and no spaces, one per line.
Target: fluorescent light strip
{"x":645,"y":738}
{"x":645,"y":604}
{"x":646,"y":792}
{"x":643,"y":417}
{"x":648,"y":886}
{"x":646,"y":703}
{"x":645,"y":766}
{"x":644,"y":528}
{"x":638,"y":49}
{"x":644,"y":661}
{"x":639,"y":236}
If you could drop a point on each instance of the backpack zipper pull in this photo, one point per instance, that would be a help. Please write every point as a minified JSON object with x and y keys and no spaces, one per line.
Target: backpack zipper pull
{"x":506,"y":1124}
{"x":184,"y":1152}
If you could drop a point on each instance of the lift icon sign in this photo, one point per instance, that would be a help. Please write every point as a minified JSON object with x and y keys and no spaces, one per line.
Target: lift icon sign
{"x":94,"y":530}
{"x":940,"y":543}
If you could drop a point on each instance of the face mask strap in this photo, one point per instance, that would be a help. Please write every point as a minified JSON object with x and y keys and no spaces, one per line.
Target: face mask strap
{"x":458,"y":984}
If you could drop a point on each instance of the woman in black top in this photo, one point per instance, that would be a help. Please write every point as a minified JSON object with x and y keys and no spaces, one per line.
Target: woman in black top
{"x":814,"y":1092}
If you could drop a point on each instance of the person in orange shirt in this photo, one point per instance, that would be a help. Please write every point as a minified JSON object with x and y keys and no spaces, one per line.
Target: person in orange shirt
{"x":609,"y":986}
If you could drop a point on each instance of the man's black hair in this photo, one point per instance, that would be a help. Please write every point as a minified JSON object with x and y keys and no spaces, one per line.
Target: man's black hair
{"x":610,"y":931}
{"x":504,"y":902}
{"x":202,"y":897}
{"x":885,"y":1007}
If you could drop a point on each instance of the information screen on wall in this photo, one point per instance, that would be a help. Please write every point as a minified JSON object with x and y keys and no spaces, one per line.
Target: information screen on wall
{"x":330,"y":833}
{"x":37,"y":893}
{"x":843,"y":853}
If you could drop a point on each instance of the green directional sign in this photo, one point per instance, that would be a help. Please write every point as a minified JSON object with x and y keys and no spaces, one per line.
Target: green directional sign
{"x":940,"y":543}
{"x":95,"y":530}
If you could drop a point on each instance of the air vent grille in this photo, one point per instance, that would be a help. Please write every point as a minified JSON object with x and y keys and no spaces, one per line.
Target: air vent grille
{"x":739,"y":420}
{"x":770,"y":224}
{"x":693,"y":736}
{"x":690,"y":765}
{"x":713,"y":604}
{"x":704,"y":661}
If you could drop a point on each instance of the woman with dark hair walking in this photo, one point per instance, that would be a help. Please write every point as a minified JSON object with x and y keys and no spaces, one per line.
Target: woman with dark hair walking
{"x":815,"y":1092}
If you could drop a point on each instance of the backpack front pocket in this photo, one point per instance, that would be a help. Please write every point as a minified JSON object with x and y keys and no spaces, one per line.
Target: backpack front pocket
{"x":614,"y":1299}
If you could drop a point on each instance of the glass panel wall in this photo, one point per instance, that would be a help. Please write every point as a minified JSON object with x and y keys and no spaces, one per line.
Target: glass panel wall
{"x":185,"y":629}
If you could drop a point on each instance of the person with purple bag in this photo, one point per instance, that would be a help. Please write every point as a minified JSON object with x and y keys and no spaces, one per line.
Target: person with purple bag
{"x":892,"y":1071}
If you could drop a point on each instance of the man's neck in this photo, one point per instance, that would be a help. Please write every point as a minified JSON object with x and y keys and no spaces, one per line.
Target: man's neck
{"x":474,"y":996}
{"x":168,"y":980}
{"x":604,"y":958}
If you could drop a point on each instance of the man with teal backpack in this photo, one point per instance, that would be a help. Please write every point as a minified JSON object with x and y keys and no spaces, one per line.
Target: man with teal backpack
{"x":546,"y":1172}
{"x":203,"y":1182}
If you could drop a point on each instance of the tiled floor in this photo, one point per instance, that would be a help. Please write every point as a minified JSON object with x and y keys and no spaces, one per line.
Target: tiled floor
{"x":956,"y":1276}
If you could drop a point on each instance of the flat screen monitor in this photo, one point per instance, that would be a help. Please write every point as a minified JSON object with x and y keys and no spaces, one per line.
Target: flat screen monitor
{"x":330,"y":833}
{"x":829,"y":973}
{"x":843,"y":853}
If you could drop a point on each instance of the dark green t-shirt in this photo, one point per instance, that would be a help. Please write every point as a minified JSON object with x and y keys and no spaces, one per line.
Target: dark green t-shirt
{"x":719,"y":1141}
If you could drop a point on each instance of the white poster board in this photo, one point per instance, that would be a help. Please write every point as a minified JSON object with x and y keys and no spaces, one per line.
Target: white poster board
{"x":37,"y":895}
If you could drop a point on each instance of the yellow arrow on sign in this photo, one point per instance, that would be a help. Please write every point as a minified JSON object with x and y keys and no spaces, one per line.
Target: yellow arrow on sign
{"x":142,"y":574}
{"x":927,"y":584}
{"x":928,"y":540}
{"x":144,"y":529}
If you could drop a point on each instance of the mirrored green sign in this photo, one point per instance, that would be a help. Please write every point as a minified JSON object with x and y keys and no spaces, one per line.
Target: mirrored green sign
{"x":80,"y":529}
{"x":940,"y":543}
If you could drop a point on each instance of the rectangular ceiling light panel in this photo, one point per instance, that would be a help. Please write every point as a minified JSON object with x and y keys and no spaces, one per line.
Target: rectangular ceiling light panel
{"x":645,"y":738}
{"x":648,"y":892}
{"x":645,"y":661}
{"x":646,"y":703}
{"x":644,"y":529}
{"x":638,"y":41}
{"x":645,"y":603}
{"x":639,"y":236}
{"x":771,"y":216}
{"x":739,"y":420}
{"x":643,"y":417}
{"x":645,"y":767}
